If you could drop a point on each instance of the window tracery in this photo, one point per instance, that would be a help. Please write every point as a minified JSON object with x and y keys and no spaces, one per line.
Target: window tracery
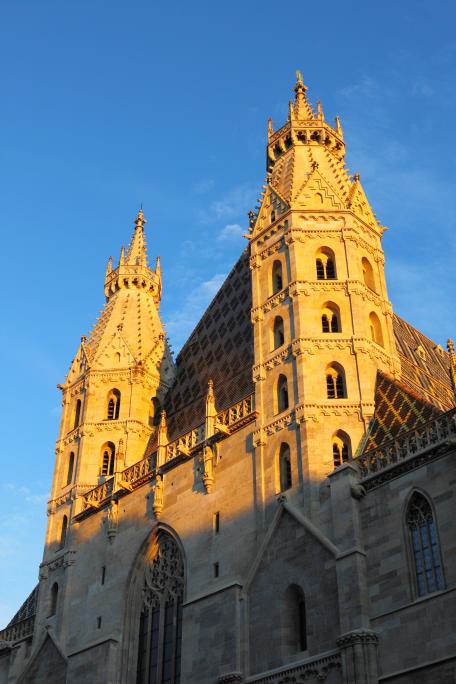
{"x":160,"y":628}
{"x":425,"y":545}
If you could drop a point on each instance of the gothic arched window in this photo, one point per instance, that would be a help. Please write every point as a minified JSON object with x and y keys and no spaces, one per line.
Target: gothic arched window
{"x":335,"y":382}
{"x":427,"y":563}
{"x":54,"y":599}
{"x":368,"y":274}
{"x":375,"y":329}
{"x":325,"y":264}
{"x":341,"y":448}
{"x":282,"y":394}
{"x":113,"y":404}
{"x":279,"y":335}
{"x":108,"y":457}
{"x":77,"y":414}
{"x":160,"y":624}
{"x":330,"y":318}
{"x":70,"y":469}
{"x":285,"y":467}
{"x":63,"y":531}
{"x":294,"y":620}
{"x":277,"y":277}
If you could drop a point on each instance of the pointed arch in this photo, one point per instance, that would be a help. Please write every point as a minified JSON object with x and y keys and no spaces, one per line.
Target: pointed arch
{"x":278,"y":332}
{"x":77,"y":413}
{"x":285,"y":476}
{"x":376,"y":329}
{"x":330,"y":318}
{"x":341,"y":448}
{"x":63,"y":532}
{"x":108,"y":457}
{"x":155,"y":598}
{"x":294,"y":621}
{"x":276,"y":277}
{"x":282,"y":400}
{"x":426,"y":560}
{"x":368,"y":274}
{"x":53,"y":599}
{"x":335,"y":382}
{"x":113,"y":404}
{"x":154,"y":411}
{"x":70,"y":469}
{"x":325,"y":264}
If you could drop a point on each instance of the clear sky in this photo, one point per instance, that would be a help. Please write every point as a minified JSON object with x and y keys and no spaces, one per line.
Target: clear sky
{"x":107,"y":104}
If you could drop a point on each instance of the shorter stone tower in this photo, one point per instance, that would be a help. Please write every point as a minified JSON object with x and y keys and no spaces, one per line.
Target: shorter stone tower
{"x":114,"y":389}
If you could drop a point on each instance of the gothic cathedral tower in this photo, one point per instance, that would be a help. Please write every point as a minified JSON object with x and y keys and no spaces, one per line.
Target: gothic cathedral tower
{"x":114,"y":389}
{"x":321,"y":315}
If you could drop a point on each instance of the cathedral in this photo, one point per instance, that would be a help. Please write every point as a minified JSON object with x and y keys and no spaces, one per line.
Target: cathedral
{"x":275,"y":505}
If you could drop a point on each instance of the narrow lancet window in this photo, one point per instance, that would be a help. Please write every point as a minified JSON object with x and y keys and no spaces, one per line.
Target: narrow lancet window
{"x":285,"y":468}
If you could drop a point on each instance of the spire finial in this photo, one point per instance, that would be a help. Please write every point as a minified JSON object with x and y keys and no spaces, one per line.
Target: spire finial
{"x":137,"y":250}
{"x":302,"y":109}
{"x":270,"y":128}
{"x":450,"y":346}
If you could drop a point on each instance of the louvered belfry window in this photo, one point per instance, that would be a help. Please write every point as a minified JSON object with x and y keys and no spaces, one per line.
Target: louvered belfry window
{"x":160,"y":625}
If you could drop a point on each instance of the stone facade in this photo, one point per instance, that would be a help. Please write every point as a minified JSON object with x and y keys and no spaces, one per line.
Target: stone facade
{"x":275,"y":506}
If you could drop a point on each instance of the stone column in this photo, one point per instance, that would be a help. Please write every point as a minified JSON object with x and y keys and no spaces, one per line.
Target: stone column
{"x":357,"y":641}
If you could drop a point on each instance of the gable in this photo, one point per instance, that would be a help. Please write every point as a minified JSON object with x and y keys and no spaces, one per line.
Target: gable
{"x":48,"y":666}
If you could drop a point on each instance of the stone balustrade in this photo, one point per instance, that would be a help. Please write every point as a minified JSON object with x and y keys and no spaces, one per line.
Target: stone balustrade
{"x":231,"y":418}
{"x":309,"y":670}
{"x":18,"y":631}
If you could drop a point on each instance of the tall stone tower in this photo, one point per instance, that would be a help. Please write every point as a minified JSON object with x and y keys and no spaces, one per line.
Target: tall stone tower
{"x":321,"y":315}
{"x":115,"y":386}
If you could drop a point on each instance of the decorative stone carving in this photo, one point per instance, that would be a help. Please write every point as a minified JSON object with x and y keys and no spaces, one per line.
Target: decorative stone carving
{"x":230,"y":678}
{"x":208,"y":465}
{"x":112,"y":520}
{"x":158,"y":496}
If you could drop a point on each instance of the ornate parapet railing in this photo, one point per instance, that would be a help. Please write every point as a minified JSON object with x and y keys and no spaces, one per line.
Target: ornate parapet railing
{"x":185,"y":443}
{"x":97,"y":495}
{"x":17,"y":632}
{"x":314,"y":669}
{"x":408,"y":450}
{"x":239,"y":414}
{"x":227,"y":421}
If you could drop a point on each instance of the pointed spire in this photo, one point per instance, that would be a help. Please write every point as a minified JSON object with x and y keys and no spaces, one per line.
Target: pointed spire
{"x":270,"y":128}
{"x":109,"y":266}
{"x":122,"y":257}
{"x":158,"y":266}
{"x":302,"y":109}
{"x":137,"y":250}
{"x":320,"y":114}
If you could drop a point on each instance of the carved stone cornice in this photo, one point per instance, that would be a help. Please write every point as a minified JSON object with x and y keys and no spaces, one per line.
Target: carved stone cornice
{"x":120,"y":426}
{"x":279,"y":423}
{"x":317,"y":411}
{"x":271,"y":303}
{"x":362,"y":636}
{"x":256,"y":259}
{"x":63,"y":560}
{"x":260,"y":369}
{"x":314,"y":345}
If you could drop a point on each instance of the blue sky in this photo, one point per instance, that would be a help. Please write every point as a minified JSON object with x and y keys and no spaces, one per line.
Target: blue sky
{"x":105,"y":105}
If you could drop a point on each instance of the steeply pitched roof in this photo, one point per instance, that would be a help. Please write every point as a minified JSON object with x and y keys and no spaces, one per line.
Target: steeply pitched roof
{"x":220,"y":348}
{"x":27,"y":609}
{"x":397,"y":409}
{"x":425,"y":367}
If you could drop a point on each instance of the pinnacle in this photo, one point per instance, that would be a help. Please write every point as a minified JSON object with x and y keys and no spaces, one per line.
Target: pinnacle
{"x":137,"y":252}
{"x":302,"y":109}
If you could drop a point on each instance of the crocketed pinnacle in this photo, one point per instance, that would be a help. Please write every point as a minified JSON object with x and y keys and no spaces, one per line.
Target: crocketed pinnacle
{"x":137,"y":251}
